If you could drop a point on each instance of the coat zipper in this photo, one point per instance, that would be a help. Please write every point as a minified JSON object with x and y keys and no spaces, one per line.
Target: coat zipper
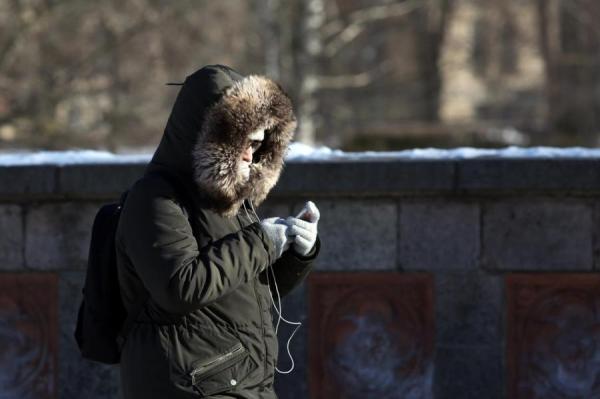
{"x":238,"y":349}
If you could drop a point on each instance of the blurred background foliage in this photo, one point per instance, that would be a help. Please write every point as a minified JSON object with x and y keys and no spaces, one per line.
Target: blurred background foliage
{"x":363,"y":74}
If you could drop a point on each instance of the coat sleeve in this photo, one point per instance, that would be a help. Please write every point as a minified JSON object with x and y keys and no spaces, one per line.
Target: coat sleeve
{"x":178,"y":275}
{"x":291,"y":269}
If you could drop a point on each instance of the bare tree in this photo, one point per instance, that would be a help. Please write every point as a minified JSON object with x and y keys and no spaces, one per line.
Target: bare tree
{"x":570,"y":44}
{"x":430,"y":22}
{"x":325,"y":36}
{"x":80,"y":73}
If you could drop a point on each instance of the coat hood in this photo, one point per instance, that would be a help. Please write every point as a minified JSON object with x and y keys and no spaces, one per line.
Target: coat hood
{"x":215,"y":111}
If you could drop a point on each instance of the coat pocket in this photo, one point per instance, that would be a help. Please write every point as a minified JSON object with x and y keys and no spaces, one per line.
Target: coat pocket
{"x":223,"y":372}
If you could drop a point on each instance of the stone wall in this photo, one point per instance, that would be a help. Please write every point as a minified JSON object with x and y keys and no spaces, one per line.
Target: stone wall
{"x":451,"y":262}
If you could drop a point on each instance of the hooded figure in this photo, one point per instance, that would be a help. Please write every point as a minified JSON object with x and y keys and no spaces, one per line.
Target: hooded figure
{"x":205,"y":329}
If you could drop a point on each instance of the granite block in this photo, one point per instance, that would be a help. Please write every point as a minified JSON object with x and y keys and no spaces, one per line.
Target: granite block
{"x":528,"y":175}
{"x":378,"y":177}
{"x":356,"y":235}
{"x":27,"y":181}
{"x":474,"y":372}
{"x":469,"y":308}
{"x":98,"y":180}
{"x":11,"y":231}
{"x":438,"y":235}
{"x":551,"y":235}
{"x":58,"y":235}
{"x":596,"y":234}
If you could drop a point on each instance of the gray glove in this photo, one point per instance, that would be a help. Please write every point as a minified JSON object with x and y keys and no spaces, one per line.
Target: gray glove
{"x":303,"y":228}
{"x":275,"y":228}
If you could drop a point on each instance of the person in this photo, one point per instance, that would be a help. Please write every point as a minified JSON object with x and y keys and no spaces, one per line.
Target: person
{"x":206,"y":329}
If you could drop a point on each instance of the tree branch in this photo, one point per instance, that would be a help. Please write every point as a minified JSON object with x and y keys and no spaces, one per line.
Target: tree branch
{"x":339,"y":35}
{"x":350,"y":81}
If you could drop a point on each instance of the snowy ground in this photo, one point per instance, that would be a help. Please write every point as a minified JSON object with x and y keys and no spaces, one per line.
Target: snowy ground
{"x":302,"y":152}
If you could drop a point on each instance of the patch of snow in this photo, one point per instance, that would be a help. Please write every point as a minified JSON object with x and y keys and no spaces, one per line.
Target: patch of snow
{"x":60,"y":158}
{"x":304,"y":153}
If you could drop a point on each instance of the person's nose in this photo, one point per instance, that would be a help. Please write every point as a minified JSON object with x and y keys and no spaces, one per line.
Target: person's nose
{"x":247,"y":154}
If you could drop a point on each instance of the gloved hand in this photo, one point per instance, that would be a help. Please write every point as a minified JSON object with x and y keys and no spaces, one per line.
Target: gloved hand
{"x":303,"y":228}
{"x":276,"y":230}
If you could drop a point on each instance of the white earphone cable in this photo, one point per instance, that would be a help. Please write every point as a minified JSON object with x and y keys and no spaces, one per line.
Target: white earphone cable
{"x":279,"y":309}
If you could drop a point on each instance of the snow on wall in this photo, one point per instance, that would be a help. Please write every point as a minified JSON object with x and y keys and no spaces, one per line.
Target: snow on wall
{"x":303,"y":153}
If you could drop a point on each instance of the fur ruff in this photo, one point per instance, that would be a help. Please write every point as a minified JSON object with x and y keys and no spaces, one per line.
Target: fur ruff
{"x":252,"y":103}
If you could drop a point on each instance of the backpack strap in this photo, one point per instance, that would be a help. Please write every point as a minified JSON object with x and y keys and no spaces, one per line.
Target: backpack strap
{"x":137,"y":308}
{"x":183,"y":195}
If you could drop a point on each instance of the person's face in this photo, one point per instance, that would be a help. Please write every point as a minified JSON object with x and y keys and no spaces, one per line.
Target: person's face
{"x":247,"y":154}
{"x":253,"y":143}
{"x":251,"y":147}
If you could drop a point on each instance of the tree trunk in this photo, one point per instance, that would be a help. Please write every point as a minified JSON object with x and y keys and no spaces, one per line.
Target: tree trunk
{"x":430,"y":24}
{"x":312,"y":47}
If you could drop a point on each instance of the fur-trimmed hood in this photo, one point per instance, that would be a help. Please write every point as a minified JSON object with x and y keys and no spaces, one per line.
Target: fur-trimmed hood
{"x":215,"y":111}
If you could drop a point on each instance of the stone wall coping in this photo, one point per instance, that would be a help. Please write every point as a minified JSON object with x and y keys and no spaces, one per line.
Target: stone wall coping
{"x":332,"y":178}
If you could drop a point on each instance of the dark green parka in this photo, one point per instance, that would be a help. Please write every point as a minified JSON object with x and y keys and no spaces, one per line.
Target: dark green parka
{"x":206,"y":329}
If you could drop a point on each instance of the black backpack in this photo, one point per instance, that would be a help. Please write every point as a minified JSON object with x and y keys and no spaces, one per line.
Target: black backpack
{"x":102,"y":321}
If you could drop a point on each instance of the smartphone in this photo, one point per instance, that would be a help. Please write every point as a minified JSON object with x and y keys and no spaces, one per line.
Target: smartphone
{"x":304,"y":215}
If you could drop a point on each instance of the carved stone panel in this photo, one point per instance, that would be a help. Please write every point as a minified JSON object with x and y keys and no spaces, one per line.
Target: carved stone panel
{"x":553,"y":341}
{"x":371,"y":335}
{"x":28,"y":335}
